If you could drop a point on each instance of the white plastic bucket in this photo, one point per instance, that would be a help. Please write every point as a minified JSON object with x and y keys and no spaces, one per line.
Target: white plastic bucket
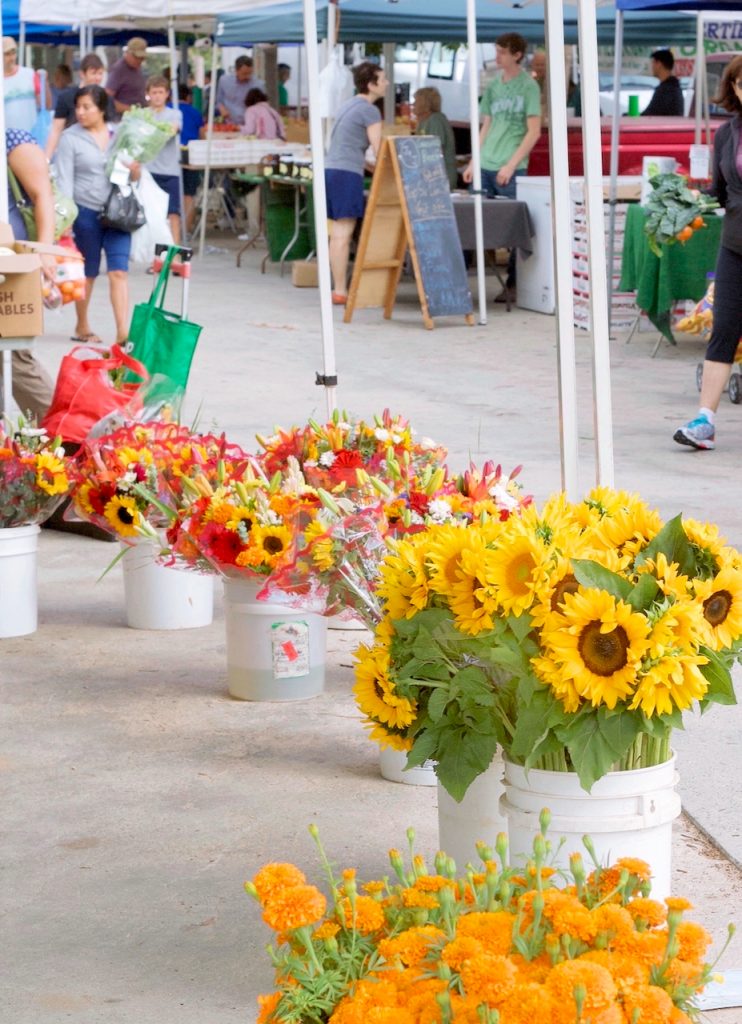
{"x":338,"y":622}
{"x":18,"y":595}
{"x":164,"y":597}
{"x":392,"y":763}
{"x":627,"y":814}
{"x":274,"y":653}
{"x":478,"y":816}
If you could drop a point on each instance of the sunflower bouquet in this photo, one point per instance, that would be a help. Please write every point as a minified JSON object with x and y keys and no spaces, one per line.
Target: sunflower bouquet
{"x":342,"y":453}
{"x":35,"y":474}
{"x":493,"y":945}
{"x":575,"y":637}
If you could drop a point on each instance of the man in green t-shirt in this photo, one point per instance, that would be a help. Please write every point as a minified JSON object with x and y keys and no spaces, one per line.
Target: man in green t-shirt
{"x":511,"y":125}
{"x":284,"y":73}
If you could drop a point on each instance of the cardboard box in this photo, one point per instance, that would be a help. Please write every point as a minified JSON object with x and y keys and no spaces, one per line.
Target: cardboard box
{"x":297,"y":131}
{"x":21,"y":303}
{"x":304,"y":274}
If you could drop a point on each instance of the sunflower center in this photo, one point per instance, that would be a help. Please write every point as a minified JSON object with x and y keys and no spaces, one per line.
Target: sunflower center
{"x":567,"y":585}
{"x":717,"y":607}
{"x":273,"y":545}
{"x":603,"y":653}
{"x":125,"y":515}
{"x":519,"y":572}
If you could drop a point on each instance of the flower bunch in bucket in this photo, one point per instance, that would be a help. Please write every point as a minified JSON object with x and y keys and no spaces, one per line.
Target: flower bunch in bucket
{"x":342,"y":453}
{"x":491,"y":945}
{"x":35,"y":474}
{"x":575,"y":636}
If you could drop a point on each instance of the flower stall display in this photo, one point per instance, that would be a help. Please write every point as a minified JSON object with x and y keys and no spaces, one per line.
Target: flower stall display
{"x":575,"y":637}
{"x":493,"y":945}
{"x":35,"y":476}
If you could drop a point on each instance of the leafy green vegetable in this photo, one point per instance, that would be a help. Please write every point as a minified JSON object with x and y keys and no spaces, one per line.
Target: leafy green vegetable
{"x":672,"y":207}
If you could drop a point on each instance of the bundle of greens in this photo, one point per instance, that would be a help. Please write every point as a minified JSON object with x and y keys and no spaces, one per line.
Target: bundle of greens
{"x":140,"y":137}
{"x":674,"y":211}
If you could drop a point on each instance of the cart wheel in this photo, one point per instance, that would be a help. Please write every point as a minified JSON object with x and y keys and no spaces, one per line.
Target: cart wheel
{"x":735,"y":390}
{"x":699,"y":376}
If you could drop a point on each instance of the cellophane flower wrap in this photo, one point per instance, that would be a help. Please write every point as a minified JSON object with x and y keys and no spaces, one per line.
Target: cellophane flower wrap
{"x":490,"y":945}
{"x":35,"y":474}
{"x":576,"y":636}
{"x":140,"y":136}
{"x":338,"y":559}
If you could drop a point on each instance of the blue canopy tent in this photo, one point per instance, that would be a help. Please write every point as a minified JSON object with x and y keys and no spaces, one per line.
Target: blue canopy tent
{"x":444,"y":20}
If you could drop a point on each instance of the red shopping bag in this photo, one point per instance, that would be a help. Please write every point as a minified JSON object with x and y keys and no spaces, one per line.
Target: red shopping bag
{"x":85,"y":392}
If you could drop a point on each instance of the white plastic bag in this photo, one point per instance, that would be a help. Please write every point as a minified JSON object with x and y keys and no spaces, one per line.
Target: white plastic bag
{"x":335,"y":84}
{"x":157,"y":228}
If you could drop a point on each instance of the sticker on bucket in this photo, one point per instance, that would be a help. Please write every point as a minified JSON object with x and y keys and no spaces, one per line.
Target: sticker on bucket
{"x":290,"y":644}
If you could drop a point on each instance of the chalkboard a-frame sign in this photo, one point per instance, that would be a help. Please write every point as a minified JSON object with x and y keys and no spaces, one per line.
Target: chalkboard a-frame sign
{"x":410,"y":207}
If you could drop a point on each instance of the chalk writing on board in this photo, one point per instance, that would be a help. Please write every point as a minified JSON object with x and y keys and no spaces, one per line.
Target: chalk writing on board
{"x":428,"y":199}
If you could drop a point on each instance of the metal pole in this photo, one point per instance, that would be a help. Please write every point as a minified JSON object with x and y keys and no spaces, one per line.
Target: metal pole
{"x":389,"y":104}
{"x":562,"y":221}
{"x":320,"y":207}
{"x":3,"y":152}
{"x":700,"y":77}
{"x":602,"y":413}
{"x":471,"y":36}
{"x":22,"y":43}
{"x":615,"y":132}
{"x":175,"y":98}
{"x":209,"y":135}
{"x":298,"y":83}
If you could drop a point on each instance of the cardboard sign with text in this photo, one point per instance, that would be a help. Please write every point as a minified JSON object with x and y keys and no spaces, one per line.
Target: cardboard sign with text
{"x":21,"y":305}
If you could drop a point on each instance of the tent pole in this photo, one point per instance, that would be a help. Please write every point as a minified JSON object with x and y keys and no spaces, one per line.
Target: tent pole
{"x":298,"y":82}
{"x":215,"y":56}
{"x":602,"y":414}
{"x":329,"y":375}
{"x":471,"y":37}
{"x":615,"y":133}
{"x":174,"y":85}
{"x":22,"y":43}
{"x":562,"y":221}
{"x":3,"y":154}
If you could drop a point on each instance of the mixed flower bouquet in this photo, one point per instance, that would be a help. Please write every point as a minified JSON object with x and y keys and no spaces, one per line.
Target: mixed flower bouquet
{"x":575,"y":637}
{"x":494,"y":945}
{"x":342,"y":453}
{"x":35,"y":474}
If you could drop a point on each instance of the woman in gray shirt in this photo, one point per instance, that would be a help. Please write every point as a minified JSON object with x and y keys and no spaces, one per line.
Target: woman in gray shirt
{"x":357,"y":125}
{"x":80,"y":161}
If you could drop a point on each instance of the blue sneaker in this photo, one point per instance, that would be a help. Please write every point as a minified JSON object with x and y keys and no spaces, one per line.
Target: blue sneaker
{"x":699,"y":433}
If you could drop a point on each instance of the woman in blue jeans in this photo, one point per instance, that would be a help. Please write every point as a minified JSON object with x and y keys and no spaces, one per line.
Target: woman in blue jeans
{"x":700,"y":432}
{"x":80,"y":161}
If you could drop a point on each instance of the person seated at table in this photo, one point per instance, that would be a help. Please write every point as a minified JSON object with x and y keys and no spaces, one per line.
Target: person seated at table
{"x":261,"y":120}
{"x":667,"y":98}
{"x":357,"y":126}
{"x":432,"y":121}
{"x":726,"y":186}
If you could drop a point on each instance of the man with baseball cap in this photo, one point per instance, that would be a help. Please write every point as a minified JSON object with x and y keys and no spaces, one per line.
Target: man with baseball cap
{"x":126,"y":83}
{"x":21,"y":89}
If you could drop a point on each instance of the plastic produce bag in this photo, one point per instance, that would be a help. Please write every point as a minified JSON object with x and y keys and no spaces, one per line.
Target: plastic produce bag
{"x":335,"y":85}
{"x":156,"y":229}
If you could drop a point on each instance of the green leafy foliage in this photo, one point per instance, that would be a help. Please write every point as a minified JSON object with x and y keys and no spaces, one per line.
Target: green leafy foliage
{"x":670,"y":208}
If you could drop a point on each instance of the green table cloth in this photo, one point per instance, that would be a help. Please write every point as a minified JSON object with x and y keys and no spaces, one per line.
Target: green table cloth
{"x":679,"y":273}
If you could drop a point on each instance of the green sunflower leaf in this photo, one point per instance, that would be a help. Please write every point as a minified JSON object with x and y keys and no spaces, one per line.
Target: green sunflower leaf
{"x":464,"y":756}
{"x":721,"y":687}
{"x":590,"y":574}
{"x":595,"y":742}
{"x":672,"y":542}
{"x":643,"y":593}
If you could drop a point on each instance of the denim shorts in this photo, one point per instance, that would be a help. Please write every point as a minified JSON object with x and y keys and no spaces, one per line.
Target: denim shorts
{"x":170,"y":183}
{"x":344,"y":195}
{"x":91,"y":238}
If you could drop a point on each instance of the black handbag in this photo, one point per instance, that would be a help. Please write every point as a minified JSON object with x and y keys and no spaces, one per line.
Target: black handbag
{"x":122,"y":212}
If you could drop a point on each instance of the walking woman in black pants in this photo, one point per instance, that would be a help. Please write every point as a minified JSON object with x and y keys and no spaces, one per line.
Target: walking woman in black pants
{"x":727,"y":328}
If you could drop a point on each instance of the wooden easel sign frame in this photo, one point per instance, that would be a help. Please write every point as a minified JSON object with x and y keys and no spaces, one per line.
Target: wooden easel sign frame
{"x":410,"y":207}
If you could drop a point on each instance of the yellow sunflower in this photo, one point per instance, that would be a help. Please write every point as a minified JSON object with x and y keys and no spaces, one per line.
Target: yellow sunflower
{"x":517,"y":572}
{"x":721,"y":600}
{"x":82,"y":497}
{"x":443,"y":551}
{"x":551,"y":674}
{"x":386,"y":738}
{"x":51,"y":475}
{"x":375,"y":692}
{"x":273,"y":542}
{"x":600,"y":647}
{"x":706,"y":537}
{"x":629,"y":530}
{"x":672,"y":682}
{"x":240,"y":514}
{"x":671,"y":581}
{"x":472,"y":598}
{"x":681,"y":627}
{"x":123,"y":515}
{"x":404,"y":583}
{"x":560,"y":580}
{"x":321,"y":545}
{"x":130,"y":456}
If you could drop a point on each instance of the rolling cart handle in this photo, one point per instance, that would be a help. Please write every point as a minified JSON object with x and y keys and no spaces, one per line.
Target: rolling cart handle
{"x":181,"y":270}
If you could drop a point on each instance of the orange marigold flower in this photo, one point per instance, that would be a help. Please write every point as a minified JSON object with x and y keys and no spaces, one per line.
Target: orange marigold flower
{"x":653,"y":1003}
{"x":568,"y":916}
{"x":678,"y":903}
{"x":276,"y":876}
{"x":626,"y":973}
{"x":349,"y":874}
{"x":634,"y":866}
{"x":369,"y":914}
{"x":527,"y":1004}
{"x":652,"y":913}
{"x":694,"y":941}
{"x":647,"y":947}
{"x":493,"y":930}
{"x":419,"y":999}
{"x":374,"y":888}
{"x":411,"y":946}
{"x":535,"y":970}
{"x":682,"y":973}
{"x":294,"y":907}
{"x":614,"y":921}
{"x":267,"y":1006}
{"x":599,"y":986}
{"x":604,"y":880}
{"x":413,"y":898}
{"x":433,"y":883}
{"x":460,"y":949}
{"x":489,"y":977}
{"x":327,"y":930}
{"x":678,"y":1017}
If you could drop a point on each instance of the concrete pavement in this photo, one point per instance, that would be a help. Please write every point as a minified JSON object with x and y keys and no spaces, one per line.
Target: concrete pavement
{"x":139,"y":796}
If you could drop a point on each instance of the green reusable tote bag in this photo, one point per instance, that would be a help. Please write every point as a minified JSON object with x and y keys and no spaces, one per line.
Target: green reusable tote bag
{"x":163,"y":341}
